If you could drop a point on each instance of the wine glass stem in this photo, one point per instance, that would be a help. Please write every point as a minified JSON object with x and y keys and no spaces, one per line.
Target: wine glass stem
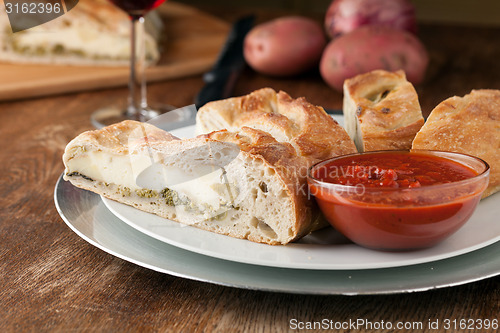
{"x":141,"y":63}
{"x":137,"y":100}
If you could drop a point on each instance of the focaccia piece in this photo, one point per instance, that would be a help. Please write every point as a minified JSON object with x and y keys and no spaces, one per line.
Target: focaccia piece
{"x":381,"y":111}
{"x":308,"y":128}
{"x":470,"y":125}
{"x":94,"y":32}
{"x":245,"y":185}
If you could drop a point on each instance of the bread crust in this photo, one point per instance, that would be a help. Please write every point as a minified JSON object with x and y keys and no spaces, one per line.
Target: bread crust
{"x":118,"y":139}
{"x":308,"y":128}
{"x":383,"y":110}
{"x":470,"y":125}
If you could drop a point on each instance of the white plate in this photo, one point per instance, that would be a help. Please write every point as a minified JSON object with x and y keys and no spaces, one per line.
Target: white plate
{"x":322,"y":250}
{"x":86,"y":215}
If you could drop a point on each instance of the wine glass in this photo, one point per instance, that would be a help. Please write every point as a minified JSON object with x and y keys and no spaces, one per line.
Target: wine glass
{"x":138,"y":108}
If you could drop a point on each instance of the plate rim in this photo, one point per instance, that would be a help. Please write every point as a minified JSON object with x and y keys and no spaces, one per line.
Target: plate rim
{"x":490,"y":267}
{"x":112,"y":205}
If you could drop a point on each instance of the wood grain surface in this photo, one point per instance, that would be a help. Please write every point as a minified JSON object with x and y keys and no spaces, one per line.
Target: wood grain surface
{"x":53,"y":281}
{"x":191,"y":42}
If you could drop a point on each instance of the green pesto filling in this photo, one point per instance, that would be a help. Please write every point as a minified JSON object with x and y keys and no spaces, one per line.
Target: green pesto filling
{"x":57,"y":49}
{"x":170,"y":197}
{"x":145,"y":193}
{"x":60,"y":50}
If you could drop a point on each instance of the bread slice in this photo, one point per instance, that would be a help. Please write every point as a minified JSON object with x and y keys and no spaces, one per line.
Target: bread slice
{"x":381,"y":111}
{"x":308,"y":128}
{"x":94,"y":32}
{"x":245,"y":185}
{"x":470,"y":125}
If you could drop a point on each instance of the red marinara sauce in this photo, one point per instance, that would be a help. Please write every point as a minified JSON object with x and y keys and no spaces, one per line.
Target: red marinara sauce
{"x":393,"y":170}
{"x":396,"y":200}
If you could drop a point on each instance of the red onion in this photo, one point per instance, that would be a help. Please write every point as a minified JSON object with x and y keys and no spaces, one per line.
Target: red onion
{"x":346,"y":15}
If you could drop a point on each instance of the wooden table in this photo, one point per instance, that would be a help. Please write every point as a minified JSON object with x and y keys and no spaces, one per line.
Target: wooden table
{"x":51,"y":280}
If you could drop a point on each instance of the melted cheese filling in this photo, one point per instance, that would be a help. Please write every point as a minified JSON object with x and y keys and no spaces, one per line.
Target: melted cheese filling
{"x":205,"y":186}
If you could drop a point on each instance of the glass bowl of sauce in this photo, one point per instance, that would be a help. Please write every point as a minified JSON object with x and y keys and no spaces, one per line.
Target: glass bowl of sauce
{"x":398,"y":200}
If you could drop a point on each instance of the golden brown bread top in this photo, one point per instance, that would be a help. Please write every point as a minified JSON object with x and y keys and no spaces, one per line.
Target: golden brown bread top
{"x":263,"y":145}
{"x":397,"y":139}
{"x":386,"y":108}
{"x":469,"y":124}
{"x":119,"y":138}
{"x":385,"y":100}
{"x":314,"y":132}
{"x":308,"y":128}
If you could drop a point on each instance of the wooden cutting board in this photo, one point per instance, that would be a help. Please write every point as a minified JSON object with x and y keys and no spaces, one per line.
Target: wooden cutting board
{"x":194,"y":40}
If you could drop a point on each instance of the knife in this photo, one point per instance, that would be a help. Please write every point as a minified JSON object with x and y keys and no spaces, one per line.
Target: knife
{"x":220,"y":80}
{"x":334,"y":111}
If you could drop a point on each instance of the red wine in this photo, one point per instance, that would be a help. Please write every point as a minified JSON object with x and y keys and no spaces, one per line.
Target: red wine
{"x":137,"y":7}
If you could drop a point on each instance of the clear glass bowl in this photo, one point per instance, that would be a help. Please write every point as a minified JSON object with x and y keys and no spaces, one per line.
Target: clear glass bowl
{"x":400,"y":218}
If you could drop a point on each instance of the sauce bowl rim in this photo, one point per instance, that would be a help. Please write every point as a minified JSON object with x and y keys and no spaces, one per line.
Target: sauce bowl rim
{"x":340,"y":187}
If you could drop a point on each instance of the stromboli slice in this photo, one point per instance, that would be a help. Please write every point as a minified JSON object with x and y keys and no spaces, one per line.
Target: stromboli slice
{"x":470,"y":125}
{"x":381,"y":111}
{"x":245,"y":185}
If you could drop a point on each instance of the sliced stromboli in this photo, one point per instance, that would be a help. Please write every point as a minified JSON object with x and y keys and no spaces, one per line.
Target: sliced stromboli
{"x":245,"y":184}
{"x":470,"y":125}
{"x":308,"y":128}
{"x":94,"y":32}
{"x":381,"y":111}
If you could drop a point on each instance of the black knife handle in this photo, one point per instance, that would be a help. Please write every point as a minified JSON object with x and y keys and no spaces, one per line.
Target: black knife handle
{"x":231,"y":54}
{"x":220,"y":80}
{"x":334,"y":111}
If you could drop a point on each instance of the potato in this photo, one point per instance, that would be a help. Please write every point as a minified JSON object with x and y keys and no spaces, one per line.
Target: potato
{"x":373,"y":47}
{"x":285,"y":46}
{"x":344,"y":16}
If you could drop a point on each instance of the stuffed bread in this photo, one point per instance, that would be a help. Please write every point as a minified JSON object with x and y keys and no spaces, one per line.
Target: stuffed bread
{"x":381,"y":111}
{"x":94,"y":32}
{"x":470,"y":125}
{"x":245,"y":184}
